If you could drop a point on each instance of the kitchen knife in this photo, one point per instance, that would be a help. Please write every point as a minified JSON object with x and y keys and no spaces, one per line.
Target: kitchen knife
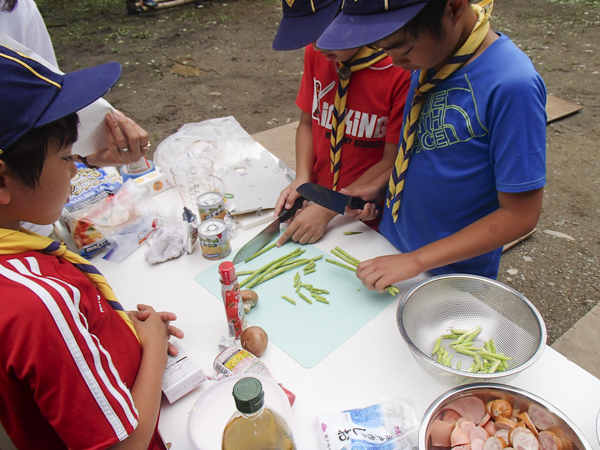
{"x":330,"y":199}
{"x":268,"y":234}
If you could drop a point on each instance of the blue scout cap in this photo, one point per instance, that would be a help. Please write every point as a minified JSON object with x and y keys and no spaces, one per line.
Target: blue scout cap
{"x":364,"y":22}
{"x":31,"y":95}
{"x":303,"y":22}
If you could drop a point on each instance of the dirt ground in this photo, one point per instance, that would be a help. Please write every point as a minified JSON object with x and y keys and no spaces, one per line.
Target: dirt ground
{"x":184,"y":65}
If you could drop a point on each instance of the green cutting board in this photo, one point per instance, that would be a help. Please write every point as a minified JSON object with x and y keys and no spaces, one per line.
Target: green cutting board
{"x":306,"y":332}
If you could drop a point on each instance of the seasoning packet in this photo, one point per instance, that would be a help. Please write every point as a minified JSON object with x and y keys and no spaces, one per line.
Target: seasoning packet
{"x":388,"y":425}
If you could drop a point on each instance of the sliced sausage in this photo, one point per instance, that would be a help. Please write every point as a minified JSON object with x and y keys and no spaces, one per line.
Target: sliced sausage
{"x":564,"y":437}
{"x":484,"y":420}
{"x":471,"y":408}
{"x":494,"y":443}
{"x":500,"y":408}
{"x":477,"y":444}
{"x":512,"y":433}
{"x":549,"y":441}
{"x":440,"y":431}
{"x":459,"y":437}
{"x":478,"y":433}
{"x":525,"y":441}
{"x":490,"y":427}
{"x":467,"y":426}
{"x":504,"y":423}
{"x":528,"y":422}
{"x":541,"y":418}
{"x":502,"y":433}
{"x":450,"y":416}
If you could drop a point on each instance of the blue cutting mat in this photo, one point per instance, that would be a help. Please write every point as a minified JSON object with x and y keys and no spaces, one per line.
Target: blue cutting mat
{"x":306,"y":332}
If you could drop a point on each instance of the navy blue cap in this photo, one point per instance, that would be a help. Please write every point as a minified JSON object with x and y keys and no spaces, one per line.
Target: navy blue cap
{"x":364,"y":22}
{"x":303,"y":22}
{"x":31,"y":95}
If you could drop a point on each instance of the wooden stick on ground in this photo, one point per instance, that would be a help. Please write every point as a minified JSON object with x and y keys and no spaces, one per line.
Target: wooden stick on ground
{"x":517,"y":241}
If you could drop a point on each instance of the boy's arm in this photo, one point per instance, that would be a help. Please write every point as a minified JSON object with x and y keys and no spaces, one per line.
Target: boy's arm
{"x":305,"y":161}
{"x":153,"y":331}
{"x":517,"y":215}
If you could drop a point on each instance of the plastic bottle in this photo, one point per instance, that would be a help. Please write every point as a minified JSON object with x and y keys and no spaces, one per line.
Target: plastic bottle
{"x":252,"y":426}
{"x":232,"y":299}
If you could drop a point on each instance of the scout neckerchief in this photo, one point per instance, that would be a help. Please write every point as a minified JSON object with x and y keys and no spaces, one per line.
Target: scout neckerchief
{"x":14,"y":242}
{"x":411,"y":122}
{"x":365,"y":57}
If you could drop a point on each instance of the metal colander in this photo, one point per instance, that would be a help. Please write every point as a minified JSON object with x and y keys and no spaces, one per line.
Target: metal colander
{"x":434,"y":306}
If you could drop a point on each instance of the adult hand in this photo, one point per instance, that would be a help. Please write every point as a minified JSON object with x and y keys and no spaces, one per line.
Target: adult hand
{"x":127,"y":142}
{"x":377,"y":273}
{"x":146,"y":312}
{"x":308,"y":225}
{"x":288,"y":196}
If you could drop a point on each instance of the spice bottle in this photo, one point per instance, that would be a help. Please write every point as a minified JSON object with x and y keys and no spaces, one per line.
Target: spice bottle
{"x":253,"y":426}
{"x":232,"y":299}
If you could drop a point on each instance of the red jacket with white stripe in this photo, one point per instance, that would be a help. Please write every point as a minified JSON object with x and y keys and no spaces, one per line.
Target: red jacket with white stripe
{"x":67,"y":360}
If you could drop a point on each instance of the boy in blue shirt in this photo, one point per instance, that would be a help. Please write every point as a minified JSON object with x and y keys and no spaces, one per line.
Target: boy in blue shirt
{"x":471,"y":167}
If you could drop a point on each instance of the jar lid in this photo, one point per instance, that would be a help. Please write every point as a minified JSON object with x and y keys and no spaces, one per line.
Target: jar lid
{"x":249,"y":395}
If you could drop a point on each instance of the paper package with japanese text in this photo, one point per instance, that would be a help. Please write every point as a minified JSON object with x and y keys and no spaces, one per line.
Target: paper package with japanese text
{"x":388,"y":425}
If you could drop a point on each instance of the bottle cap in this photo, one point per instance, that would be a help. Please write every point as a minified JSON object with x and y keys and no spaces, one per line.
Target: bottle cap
{"x":249,"y":395}
{"x":227,"y":272}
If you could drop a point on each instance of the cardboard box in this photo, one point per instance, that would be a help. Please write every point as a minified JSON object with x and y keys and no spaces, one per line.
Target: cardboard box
{"x":181,"y":375}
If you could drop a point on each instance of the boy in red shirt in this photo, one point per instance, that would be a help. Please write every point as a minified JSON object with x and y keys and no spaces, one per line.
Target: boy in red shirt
{"x":351,"y":102}
{"x":76,"y":371}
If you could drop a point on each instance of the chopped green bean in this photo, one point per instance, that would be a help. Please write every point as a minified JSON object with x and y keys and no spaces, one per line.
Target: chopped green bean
{"x":306,"y":272}
{"x":458,"y":331}
{"x":266,"y":267}
{"x":322,"y":299}
{"x":352,"y":258}
{"x":350,"y":261}
{"x":245,"y":272}
{"x":277,"y":272}
{"x":349,"y":233}
{"x":437,"y":345}
{"x":340,"y":264}
{"x":304,"y":297}
{"x":288,"y":299}
{"x":260,"y":252}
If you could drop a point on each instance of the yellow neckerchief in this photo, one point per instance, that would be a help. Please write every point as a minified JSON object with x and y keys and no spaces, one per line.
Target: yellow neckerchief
{"x":411,"y":122}
{"x":365,"y":57}
{"x":14,"y":242}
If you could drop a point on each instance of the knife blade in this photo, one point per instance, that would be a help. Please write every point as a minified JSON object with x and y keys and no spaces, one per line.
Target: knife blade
{"x":268,"y":234}
{"x":330,"y":199}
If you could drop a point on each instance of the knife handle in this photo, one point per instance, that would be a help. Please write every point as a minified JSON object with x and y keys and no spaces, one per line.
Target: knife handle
{"x":356,"y":203}
{"x":289,"y":213}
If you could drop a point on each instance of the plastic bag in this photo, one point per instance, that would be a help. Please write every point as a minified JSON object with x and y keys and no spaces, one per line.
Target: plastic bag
{"x":128,"y":220}
{"x":388,"y":425}
{"x":90,"y":189}
{"x":222,"y":140}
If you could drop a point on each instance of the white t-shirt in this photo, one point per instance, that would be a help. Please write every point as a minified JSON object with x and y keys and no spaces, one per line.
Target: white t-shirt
{"x":25,"y":25}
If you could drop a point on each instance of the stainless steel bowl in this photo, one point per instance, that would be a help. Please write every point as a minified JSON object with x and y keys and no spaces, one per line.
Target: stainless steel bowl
{"x":520,"y":400}
{"x":431,"y":308}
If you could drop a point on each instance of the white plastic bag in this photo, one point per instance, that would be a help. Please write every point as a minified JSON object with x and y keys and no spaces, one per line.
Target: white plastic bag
{"x":222,"y":140}
{"x":388,"y":425}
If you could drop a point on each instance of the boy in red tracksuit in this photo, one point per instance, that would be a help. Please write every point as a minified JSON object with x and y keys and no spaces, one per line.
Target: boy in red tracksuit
{"x":76,"y":371}
{"x":351,"y":102}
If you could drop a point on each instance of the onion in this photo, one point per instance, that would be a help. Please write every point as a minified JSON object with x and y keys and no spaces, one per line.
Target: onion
{"x":255,"y":340}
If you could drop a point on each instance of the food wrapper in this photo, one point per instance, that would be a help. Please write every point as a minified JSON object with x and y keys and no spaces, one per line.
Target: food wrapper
{"x":91,"y":189}
{"x":103,"y":211}
{"x":388,"y":425}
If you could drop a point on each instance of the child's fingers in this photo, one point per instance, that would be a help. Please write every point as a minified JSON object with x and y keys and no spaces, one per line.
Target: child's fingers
{"x":172,"y":350}
{"x":167,"y":316}
{"x":174,"y":331}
